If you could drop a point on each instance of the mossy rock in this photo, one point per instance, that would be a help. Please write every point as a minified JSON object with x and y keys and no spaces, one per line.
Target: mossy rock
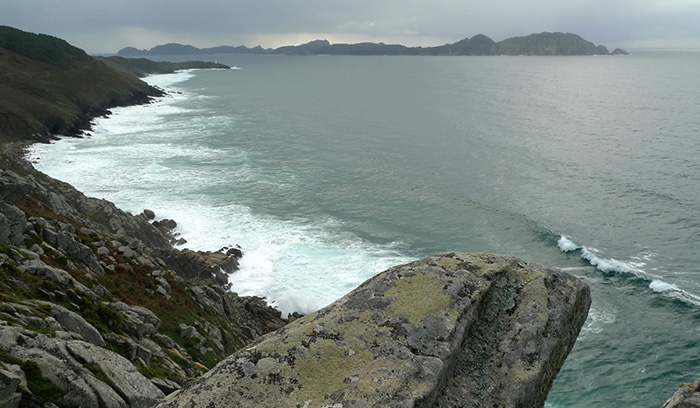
{"x":404,"y":337}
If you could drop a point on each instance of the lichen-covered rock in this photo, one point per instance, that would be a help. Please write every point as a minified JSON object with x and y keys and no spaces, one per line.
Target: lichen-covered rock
{"x":686,"y":396}
{"x":137,"y":390}
{"x":75,"y":323}
{"x":449,"y":331}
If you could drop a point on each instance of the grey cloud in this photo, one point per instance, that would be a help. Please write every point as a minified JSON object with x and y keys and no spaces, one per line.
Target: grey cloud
{"x":98,"y":23}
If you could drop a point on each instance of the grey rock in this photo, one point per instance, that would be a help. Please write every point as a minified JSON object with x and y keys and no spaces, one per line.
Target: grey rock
{"x":37,"y":249}
{"x":87,"y":231}
{"x":59,"y":204}
{"x":13,"y":187}
{"x":164,"y":340}
{"x":77,"y":392}
{"x":105,"y":394}
{"x":165,"y":385}
{"x":142,"y":260}
{"x":211,"y":297}
{"x":686,"y":396}
{"x":67,"y":242}
{"x":9,"y":336}
{"x":13,"y":222}
{"x":136,"y":389}
{"x":149,"y":214}
{"x":58,"y":276}
{"x":8,"y":308}
{"x":137,"y":321}
{"x":9,"y":382}
{"x":193,"y":266}
{"x":160,"y":291}
{"x":75,"y":323}
{"x":502,"y":326}
{"x":101,"y":291}
{"x":126,"y":251}
{"x":35,"y":321}
{"x":18,"y":284}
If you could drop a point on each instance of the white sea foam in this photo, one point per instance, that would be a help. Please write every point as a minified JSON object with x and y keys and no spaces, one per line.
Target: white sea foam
{"x":635,"y":266}
{"x":566,"y":245}
{"x":146,"y":157}
{"x":661,"y":286}
{"x":598,"y":319}
{"x":168,"y":80}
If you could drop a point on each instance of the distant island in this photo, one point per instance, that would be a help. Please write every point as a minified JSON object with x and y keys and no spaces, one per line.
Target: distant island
{"x":534,"y":44}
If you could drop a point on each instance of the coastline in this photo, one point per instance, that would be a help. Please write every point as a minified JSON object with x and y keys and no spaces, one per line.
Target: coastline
{"x":59,"y":255}
{"x":97,"y":307}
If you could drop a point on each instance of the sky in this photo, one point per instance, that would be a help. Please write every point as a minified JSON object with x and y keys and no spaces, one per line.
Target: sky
{"x":106,"y":26}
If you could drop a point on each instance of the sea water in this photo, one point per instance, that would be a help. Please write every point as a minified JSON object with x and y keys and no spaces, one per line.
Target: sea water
{"x":328,"y":170}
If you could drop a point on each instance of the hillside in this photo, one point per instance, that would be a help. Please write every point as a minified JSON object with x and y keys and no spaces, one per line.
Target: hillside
{"x":50,"y":87}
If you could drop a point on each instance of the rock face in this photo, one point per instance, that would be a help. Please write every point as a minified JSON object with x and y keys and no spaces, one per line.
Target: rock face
{"x":453,"y":330}
{"x":687,"y":396}
{"x":90,"y":315}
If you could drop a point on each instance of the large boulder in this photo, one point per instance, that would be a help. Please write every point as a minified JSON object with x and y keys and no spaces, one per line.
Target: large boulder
{"x":450,"y":331}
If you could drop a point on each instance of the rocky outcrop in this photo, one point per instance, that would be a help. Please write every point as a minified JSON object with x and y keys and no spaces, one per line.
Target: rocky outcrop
{"x":686,"y":396}
{"x":453,"y":330}
{"x":203,"y":266}
{"x":90,"y":314}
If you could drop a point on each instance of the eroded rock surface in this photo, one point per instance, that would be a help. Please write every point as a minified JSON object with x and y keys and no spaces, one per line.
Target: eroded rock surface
{"x":453,"y":330}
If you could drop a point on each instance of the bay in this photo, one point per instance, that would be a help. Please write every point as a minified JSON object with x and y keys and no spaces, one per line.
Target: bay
{"x":327,"y":170}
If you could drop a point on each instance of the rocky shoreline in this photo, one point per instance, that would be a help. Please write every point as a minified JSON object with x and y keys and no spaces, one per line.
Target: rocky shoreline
{"x":97,"y":309}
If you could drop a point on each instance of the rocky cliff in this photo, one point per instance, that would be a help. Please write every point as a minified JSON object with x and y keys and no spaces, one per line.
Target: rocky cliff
{"x":454,"y":330}
{"x":97,"y":309}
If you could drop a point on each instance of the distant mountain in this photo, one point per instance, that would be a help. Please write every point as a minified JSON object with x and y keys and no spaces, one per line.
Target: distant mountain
{"x":533,"y":44}
{"x":180,"y":49}
{"x":548,"y":44}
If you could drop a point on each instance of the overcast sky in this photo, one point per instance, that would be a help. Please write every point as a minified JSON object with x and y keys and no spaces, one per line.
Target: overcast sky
{"x":100,"y":26}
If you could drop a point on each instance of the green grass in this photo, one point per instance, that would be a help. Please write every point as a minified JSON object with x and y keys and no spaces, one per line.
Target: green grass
{"x":39,"y":385}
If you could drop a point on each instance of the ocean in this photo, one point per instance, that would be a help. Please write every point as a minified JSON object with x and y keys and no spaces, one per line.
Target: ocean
{"x":329,"y":169}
